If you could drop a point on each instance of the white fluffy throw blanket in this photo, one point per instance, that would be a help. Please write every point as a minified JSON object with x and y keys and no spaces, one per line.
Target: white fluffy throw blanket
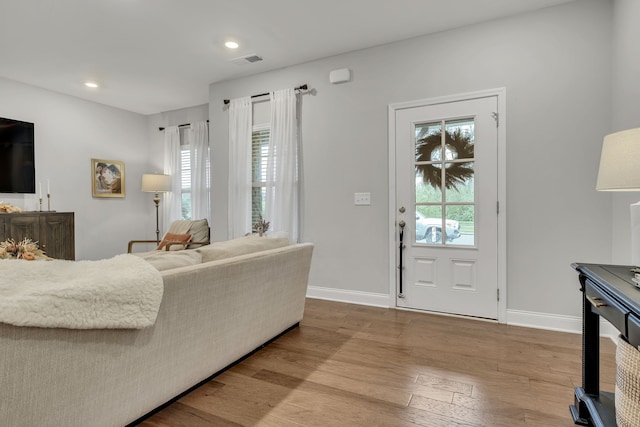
{"x":121,"y":292}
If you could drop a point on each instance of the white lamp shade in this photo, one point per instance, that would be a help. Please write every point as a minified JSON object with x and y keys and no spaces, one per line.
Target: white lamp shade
{"x":620,"y":162}
{"x":156,"y":183}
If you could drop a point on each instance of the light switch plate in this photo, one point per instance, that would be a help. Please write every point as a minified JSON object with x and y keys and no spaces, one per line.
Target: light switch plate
{"x":362,"y":199}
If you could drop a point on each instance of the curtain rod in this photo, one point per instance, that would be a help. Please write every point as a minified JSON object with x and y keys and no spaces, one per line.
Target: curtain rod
{"x":180,"y":126}
{"x":301,"y":87}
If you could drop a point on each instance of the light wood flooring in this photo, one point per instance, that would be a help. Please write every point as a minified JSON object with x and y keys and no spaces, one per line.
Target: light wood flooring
{"x":351,"y":365}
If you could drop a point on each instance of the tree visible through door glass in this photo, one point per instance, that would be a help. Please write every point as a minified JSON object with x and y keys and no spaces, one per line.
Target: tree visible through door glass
{"x":444,"y":183}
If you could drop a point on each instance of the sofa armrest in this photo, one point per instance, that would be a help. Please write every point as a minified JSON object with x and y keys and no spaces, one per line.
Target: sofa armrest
{"x":131,"y":242}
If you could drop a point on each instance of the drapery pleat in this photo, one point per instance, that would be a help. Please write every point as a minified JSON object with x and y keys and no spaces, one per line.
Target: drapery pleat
{"x":240,"y":127}
{"x":281,"y":207}
{"x":199,"y":155}
{"x":171,"y":209}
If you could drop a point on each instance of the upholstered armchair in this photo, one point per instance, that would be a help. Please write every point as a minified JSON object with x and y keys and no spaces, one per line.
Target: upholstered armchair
{"x":182,"y":234}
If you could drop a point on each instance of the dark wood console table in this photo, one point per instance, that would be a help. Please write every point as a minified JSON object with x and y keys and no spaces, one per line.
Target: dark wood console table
{"x":607,"y":291}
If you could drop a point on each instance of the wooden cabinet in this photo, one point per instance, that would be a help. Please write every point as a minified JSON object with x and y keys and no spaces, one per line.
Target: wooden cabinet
{"x":54,"y":231}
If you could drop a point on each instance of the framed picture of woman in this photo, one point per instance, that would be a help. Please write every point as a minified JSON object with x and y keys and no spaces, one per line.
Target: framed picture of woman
{"x":107,"y":178}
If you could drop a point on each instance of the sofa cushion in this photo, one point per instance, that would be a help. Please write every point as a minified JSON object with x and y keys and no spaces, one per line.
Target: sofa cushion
{"x":240,"y":246}
{"x":174,"y":238}
{"x":166,"y":260}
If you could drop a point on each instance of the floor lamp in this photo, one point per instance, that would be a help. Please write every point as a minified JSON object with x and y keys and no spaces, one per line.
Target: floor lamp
{"x":156,"y":183}
{"x":620,"y":171}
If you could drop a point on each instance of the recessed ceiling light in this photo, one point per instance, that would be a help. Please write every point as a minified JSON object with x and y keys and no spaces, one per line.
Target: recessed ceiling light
{"x":92,"y":85}
{"x":231,"y":45}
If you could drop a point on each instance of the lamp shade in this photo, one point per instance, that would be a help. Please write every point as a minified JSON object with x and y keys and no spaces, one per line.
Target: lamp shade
{"x":620,"y":162}
{"x":156,"y":183}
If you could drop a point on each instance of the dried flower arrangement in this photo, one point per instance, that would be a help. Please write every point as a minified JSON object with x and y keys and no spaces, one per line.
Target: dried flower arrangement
{"x":7,"y":208}
{"x":261,"y":226}
{"x":25,"y":249}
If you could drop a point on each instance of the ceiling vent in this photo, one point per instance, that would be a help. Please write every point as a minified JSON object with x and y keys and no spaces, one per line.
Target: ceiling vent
{"x":247,"y":59}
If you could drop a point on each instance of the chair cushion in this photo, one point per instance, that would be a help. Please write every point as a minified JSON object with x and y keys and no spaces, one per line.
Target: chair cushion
{"x":180,"y":226}
{"x":240,"y":246}
{"x":174,"y":238}
{"x":199,"y":230}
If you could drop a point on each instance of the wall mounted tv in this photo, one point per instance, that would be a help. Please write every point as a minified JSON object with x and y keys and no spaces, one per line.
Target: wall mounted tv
{"x":17,"y":166}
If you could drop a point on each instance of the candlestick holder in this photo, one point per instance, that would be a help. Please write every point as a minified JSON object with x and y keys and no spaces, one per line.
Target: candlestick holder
{"x":48,"y":202}
{"x":40,"y":199}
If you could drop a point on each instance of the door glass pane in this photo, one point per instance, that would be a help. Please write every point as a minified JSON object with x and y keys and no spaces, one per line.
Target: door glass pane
{"x":460,"y":182}
{"x":426,"y":193}
{"x":428,"y":142}
{"x":460,"y":225}
{"x":429,"y":225}
{"x":459,"y":139}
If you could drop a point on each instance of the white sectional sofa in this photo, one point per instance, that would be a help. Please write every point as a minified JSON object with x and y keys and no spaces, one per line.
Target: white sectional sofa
{"x":226,"y":300}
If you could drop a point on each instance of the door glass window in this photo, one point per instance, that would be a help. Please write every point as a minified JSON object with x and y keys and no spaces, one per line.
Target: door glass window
{"x":445,"y":188}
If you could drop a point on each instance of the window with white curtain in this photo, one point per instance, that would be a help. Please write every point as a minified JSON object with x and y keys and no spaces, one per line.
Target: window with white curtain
{"x":259,"y":155}
{"x":185,"y":174}
{"x":266,"y":190}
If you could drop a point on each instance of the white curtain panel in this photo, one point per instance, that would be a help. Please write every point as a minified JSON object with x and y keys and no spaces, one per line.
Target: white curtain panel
{"x":282,"y":165}
{"x":199,"y":150}
{"x":171,"y":209}
{"x":240,"y":127}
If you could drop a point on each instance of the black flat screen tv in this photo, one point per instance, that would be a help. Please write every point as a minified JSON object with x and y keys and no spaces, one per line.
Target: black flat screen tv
{"x":17,"y":155}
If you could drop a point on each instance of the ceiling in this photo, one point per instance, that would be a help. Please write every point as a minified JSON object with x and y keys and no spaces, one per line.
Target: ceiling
{"x":151,"y":56}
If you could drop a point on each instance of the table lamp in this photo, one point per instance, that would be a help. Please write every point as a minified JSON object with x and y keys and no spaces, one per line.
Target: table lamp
{"x":156,"y":183}
{"x":620,"y":171}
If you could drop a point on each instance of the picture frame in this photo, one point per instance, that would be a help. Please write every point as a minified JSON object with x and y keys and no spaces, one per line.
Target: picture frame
{"x":107,"y":178}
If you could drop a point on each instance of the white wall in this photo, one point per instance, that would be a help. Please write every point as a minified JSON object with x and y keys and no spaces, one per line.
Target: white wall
{"x":69,"y":132}
{"x":198,"y":113}
{"x":625,"y":111}
{"x":554,"y":65}
{"x":188,"y":115}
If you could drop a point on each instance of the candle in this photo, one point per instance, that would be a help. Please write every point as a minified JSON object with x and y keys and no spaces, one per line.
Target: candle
{"x":48,"y":187}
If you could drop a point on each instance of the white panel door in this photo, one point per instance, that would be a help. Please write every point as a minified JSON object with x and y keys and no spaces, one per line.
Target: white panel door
{"x":446,"y":193}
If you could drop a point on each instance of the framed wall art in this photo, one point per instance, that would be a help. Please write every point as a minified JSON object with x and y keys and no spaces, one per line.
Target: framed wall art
{"x":107,"y":178}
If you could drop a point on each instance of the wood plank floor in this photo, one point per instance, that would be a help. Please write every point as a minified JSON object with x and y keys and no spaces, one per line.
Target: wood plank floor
{"x":351,"y":365}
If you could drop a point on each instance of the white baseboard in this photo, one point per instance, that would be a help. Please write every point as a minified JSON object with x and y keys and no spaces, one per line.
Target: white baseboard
{"x":552,"y":322}
{"x":556,"y":322}
{"x":351,"y":297}
{"x":528,"y":319}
